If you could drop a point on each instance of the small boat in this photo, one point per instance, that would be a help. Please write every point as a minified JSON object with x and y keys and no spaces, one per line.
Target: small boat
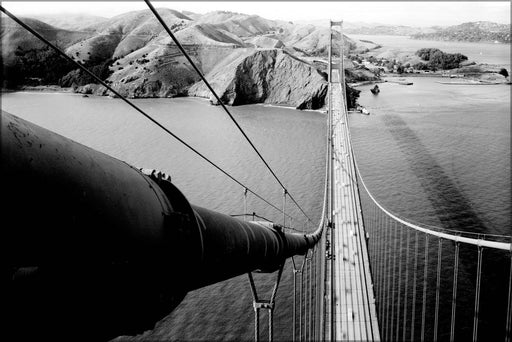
{"x":362,"y":110}
{"x":375,"y":90}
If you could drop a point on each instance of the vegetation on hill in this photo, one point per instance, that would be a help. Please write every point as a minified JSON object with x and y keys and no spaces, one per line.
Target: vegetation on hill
{"x":437,"y":59}
{"x":35,"y":67}
{"x":77,"y":77}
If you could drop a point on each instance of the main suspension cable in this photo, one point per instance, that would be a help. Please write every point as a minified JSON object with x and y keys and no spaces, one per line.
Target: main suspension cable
{"x":178,"y":44}
{"x":63,"y":54}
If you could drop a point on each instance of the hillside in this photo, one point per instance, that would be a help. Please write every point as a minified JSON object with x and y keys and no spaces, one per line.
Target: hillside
{"x":265,"y":76}
{"x":241,"y":25}
{"x":16,"y":38}
{"x":480,"y":31}
{"x":134,"y":54}
{"x":125,"y":33}
{"x":70,"y":21}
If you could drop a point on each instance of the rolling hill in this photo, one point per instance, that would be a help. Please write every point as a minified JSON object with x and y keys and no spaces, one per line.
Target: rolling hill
{"x":234,"y":50}
{"x":14,"y":37}
{"x":480,"y":31}
{"x":70,"y":21}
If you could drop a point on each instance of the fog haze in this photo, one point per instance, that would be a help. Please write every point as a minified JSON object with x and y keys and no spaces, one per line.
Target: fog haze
{"x":388,"y":13}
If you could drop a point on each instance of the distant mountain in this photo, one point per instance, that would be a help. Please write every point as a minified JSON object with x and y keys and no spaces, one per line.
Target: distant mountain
{"x":137,"y":57}
{"x":480,"y":31}
{"x":69,"y":21}
{"x":392,"y":30}
{"x":125,"y":33}
{"x":242,"y":25}
{"x":16,"y":38}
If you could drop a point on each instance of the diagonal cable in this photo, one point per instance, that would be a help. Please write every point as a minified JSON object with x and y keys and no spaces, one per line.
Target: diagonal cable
{"x":221,"y":103}
{"x":63,"y":54}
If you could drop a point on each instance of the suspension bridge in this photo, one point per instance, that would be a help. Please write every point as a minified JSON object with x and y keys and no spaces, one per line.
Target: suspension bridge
{"x":362,"y":274}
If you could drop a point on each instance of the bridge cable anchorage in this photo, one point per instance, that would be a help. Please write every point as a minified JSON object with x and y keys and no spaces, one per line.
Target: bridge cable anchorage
{"x":178,"y":44}
{"x":138,"y":109}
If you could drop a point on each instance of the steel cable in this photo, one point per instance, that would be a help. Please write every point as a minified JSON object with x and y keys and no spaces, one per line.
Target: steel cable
{"x":178,"y":44}
{"x":64,"y":55}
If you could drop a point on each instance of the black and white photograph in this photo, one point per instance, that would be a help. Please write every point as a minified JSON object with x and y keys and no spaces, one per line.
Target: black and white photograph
{"x":256,"y":170}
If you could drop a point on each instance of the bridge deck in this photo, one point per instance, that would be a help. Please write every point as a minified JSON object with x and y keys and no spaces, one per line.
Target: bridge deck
{"x":355,"y":315}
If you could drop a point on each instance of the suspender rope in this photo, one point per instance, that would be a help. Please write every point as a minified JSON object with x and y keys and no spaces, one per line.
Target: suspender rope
{"x":406,"y":289}
{"x":180,"y":47}
{"x":245,"y":204}
{"x":392,"y":326}
{"x":477,"y":294}
{"x":399,"y":283}
{"x":454,"y":291}
{"x":375,"y":268}
{"x":424,"y":303}
{"x":414,"y":283}
{"x":256,"y":309}
{"x":301,"y":292}
{"x":438,"y":287}
{"x":382,"y":265}
{"x":310,"y":292}
{"x":272,"y":301}
{"x":377,"y":247}
{"x":259,"y":304}
{"x":121,"y":97}
{"x":388,"y":277}
{"x":294,"y":310}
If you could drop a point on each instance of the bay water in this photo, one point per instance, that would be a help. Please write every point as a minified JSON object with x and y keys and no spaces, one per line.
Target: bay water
{"x":439,"y":155}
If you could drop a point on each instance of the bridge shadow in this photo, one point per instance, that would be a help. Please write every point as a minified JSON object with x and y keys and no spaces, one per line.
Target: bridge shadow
{"x":454,"y":211}
{"x":452,"y":207}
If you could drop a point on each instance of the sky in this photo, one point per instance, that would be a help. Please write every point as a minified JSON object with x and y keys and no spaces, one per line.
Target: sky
{"x":410,"y":13}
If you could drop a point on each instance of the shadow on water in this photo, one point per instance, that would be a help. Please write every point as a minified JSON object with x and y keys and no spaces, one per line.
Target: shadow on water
{"x":452,"y":207}
{"x":454,"y":211}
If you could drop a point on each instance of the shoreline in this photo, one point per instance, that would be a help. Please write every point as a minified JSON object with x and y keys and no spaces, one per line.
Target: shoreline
{"x":60,"y":90}
{"x":464,"y":80}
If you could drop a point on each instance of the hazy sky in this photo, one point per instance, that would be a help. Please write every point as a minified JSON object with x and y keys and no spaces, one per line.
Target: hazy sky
{"x":411,"y":13}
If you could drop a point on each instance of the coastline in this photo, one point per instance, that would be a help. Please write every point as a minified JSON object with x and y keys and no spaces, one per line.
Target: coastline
{"x":462,"y":80}
{"x":56,"y":90}
{"x":39,"y":89}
